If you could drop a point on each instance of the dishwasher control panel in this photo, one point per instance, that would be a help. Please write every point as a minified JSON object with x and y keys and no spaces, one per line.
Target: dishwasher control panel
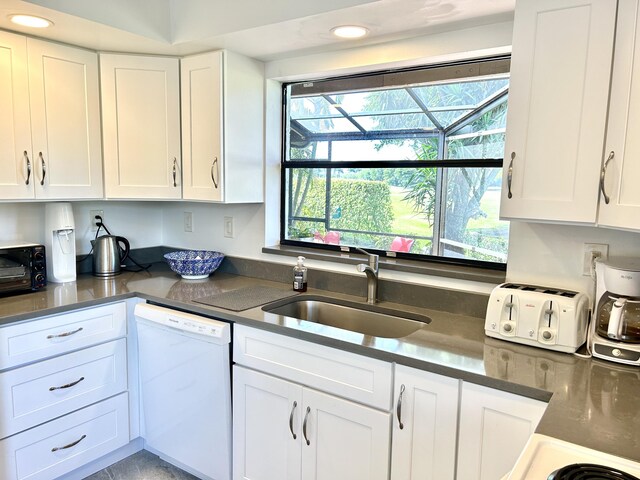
{"x":186,"y":322}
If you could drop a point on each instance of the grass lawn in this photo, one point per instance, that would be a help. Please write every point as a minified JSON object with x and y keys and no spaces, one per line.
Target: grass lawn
{"x":408,"y":222}
{"x":490,"y":205}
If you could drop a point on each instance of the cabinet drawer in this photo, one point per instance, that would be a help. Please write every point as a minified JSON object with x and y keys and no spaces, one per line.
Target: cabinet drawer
{"x":348,"y":375}
{"x":64,"y":444}
{"x":35,"y":393}
{"x":49,"y":336}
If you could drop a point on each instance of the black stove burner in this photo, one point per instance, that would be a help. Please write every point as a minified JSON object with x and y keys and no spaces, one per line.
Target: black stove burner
{"x":588,"y":471}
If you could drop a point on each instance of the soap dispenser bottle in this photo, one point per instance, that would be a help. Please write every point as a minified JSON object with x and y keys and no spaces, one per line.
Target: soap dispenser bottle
{"x":300,"y":276}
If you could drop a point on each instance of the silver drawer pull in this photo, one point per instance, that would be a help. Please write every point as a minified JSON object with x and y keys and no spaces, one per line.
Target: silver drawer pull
{"x":55,"y":449}
{"x":399,"y":407}
{"x":65,"y":334}
{"x":26,"y":159}
{"x":510,"y":175}
{"x":68,"y":385}
{"x":293,"y":409}
{"x":603,"y":174}
{"x":217,"y":169}
{"x":44,"y":168}
{"x":304,"y":426}
{"x":175,"y":171}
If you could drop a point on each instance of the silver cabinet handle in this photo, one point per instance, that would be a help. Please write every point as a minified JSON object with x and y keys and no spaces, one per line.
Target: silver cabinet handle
{"x":304,"y":426}
{"x":175,"y":171}
{"x":399,"y":407}
{"x":293,"y":409}
{"x":68,"y":385}
{"x":510,"y":175}
{"x":72,"y":444}
{"x":603,"y":174}
{"x":217,"y":169}
{"x":65,"y":334}
{"x":26,"y":159}
{"x":44,"y":168}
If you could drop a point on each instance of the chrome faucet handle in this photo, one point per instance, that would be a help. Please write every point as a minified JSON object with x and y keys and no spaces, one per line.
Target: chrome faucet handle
{"x":373,"y":258}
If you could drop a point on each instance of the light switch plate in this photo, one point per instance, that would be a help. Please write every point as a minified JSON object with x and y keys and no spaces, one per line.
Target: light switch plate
{"x":228,"y":227}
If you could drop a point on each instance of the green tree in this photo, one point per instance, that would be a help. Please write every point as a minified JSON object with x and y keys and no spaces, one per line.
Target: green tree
{"x":464,"y":187}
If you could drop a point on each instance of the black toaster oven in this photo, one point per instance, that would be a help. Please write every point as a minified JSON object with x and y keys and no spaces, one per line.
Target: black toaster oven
{"x":22,"y":267}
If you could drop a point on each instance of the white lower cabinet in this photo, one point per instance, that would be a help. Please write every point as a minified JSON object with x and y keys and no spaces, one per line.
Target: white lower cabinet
{"x":38,"y":392}
{"x":494,"y":428}
{"x":66,"y":443}
{"x":283,"y":430}
{"x":63,"y":392}
{"x":425,"y":425}
{"x":266,"y":409}
{"x":437,"y":428}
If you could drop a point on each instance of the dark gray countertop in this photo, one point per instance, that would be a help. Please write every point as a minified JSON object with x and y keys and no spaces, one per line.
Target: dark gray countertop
{"x":591,"y":402}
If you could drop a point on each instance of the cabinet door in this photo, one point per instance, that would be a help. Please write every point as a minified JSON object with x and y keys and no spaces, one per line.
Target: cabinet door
{"x":425,"y":426}
{"x":621,"y":206}
{"x":65,"y":116}
{"x":266,"y":427}
{"x":16,"y":175}
{"x":342,"y":440}
{"x":560,"y":70}
{"x":141,"y":126}
{"x":494,"y":428}
{"x":201,"y":83}
{"x":244,"y":112}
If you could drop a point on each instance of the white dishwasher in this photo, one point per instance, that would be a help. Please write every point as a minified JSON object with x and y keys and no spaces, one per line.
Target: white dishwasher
{"x":185,"y":389}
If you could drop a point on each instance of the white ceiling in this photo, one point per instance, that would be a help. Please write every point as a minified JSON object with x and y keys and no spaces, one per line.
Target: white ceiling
{"x":263,"y":29}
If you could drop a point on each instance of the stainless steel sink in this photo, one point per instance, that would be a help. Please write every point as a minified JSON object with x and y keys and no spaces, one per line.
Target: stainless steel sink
{"x":366,"y":319}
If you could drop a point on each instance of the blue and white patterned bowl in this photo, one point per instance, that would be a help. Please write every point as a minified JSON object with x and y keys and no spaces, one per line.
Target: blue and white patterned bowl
{"x":194,"y":264}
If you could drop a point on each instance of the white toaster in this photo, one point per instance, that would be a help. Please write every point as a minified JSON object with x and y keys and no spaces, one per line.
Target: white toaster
{"x":538,"y":316}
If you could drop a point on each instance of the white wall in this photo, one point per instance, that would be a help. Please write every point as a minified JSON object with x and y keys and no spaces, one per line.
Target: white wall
{"x":139,"y":222}
{"x":428,"y":49}
{"x":552,"y":255}
{"x":208,"y":227}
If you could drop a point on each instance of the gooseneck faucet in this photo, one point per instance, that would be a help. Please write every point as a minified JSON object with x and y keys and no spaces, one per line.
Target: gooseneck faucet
{"x":371,"y":271}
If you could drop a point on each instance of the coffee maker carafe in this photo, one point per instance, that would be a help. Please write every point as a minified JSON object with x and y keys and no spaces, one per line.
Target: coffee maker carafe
{"x":60,"y":242}
{"x":616,"y":332}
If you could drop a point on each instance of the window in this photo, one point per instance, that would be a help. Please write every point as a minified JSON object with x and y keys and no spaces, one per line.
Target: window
{"x":404,"y":163}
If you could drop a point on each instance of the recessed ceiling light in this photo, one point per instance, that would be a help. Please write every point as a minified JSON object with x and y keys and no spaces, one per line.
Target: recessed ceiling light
{"x":349,"y":31}
{"x":30,"y":21}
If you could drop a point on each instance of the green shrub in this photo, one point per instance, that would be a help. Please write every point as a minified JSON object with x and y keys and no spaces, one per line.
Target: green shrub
{"x":355,"y":204}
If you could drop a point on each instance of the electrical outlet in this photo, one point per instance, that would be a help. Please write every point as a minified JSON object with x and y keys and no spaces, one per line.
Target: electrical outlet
{"x":92,"y":219}
{"x":228,"y":227}
{"x":188,"y":221}
{"x":591,"y":251}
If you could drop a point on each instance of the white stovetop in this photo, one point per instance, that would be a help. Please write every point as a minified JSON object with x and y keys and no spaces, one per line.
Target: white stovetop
{"x":544,"y":455}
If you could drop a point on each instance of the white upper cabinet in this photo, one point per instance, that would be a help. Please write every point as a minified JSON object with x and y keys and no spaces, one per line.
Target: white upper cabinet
{"x":559,"y":88}
{"x":620,"y":196}
{"x":50,"y":127}
{"x":65,"y":121}
{"x":16,"y":177}
{"x":141,"y":127}
{"x":222,"y":127}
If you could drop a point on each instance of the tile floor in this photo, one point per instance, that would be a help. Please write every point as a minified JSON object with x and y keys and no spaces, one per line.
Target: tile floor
{"x":141,"y":466}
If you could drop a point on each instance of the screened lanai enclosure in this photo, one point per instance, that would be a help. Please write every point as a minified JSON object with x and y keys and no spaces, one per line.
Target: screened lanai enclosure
{"x":406,"y":163}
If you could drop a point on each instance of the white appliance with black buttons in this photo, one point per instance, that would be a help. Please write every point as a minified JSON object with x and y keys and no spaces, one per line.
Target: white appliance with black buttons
{"x":550,"y":318}
{"x":185,"y":389}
